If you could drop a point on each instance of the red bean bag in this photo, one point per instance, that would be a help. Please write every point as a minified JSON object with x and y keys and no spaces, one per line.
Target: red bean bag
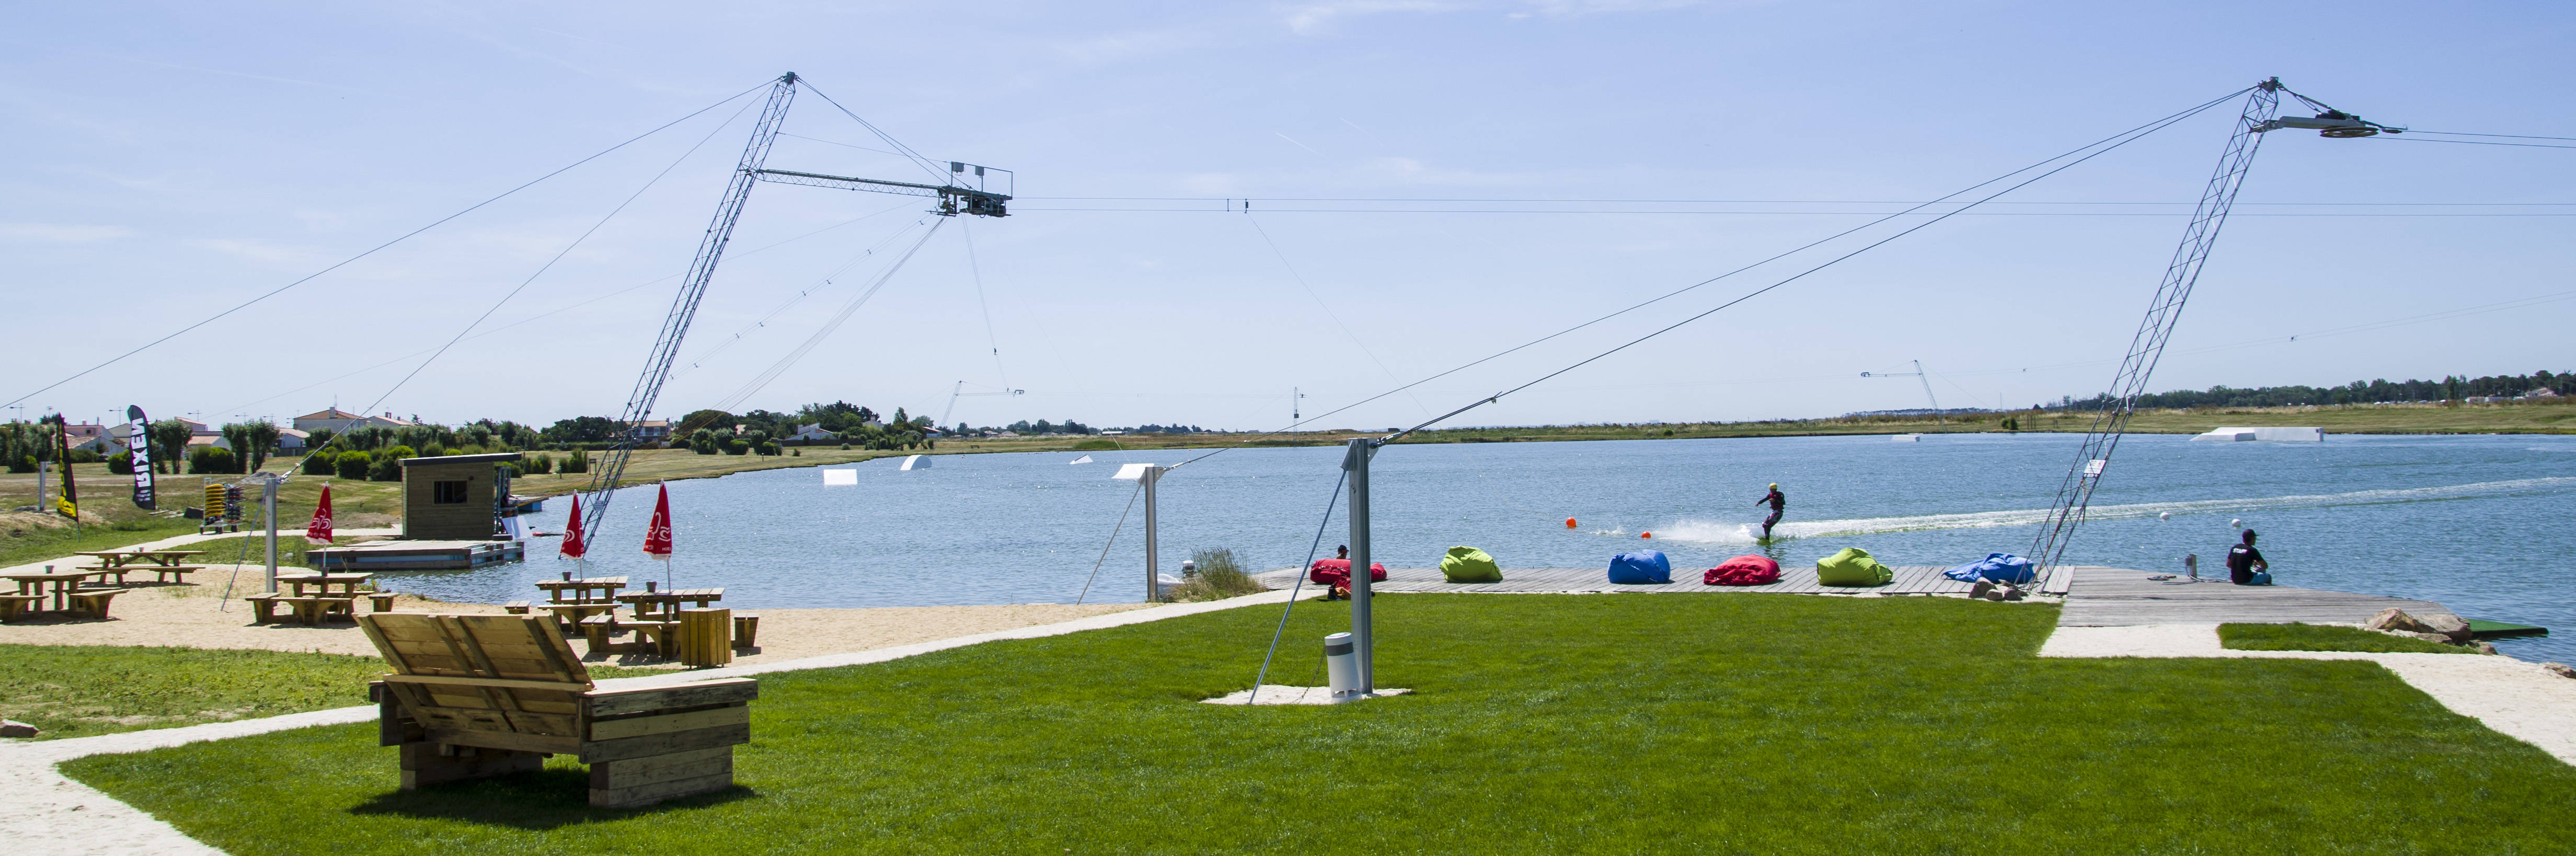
{"x":1337,"y":572}
{"x":1745,"y":571}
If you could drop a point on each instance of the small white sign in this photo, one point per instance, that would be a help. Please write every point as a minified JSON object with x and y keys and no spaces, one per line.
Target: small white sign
{"x":837,"y":478}
{"x":1131,"y":472}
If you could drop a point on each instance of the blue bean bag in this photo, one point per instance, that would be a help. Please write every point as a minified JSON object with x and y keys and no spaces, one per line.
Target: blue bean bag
{"x":1999,"y":567}
{"x":1644,"y":567}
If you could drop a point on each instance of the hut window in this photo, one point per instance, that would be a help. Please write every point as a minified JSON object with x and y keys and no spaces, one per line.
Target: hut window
{"x":447,"y":493}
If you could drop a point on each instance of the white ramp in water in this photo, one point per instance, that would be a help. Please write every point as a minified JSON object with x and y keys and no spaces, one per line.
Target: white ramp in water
{"x":914,"y":462}
{"x":836,"y":478}
{"x":1081,"y":460}
{"x":2277,"y":435}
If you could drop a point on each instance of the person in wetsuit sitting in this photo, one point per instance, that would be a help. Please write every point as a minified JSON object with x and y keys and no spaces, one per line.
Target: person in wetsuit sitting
{"x":1779,"y":503}
{"x":2245,"y":565}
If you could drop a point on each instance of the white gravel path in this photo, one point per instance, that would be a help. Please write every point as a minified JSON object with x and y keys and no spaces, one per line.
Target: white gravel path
{"x":2516,"y":698}
{"x":45,"y":813}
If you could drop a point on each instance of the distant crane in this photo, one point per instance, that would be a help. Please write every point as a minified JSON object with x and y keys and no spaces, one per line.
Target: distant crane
{"x":1922,"y":375}
{"x":960,"y":392}
{"x":970,"y":190}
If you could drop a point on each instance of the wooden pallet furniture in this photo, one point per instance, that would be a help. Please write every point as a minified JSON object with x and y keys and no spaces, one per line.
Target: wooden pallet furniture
{"x":651,"y":637}
{"x":380,"y":601}
{"x":485,"y":695}
{"x":746,"y":630}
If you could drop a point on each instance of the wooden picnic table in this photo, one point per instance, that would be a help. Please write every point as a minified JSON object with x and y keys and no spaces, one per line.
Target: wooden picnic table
{"x":665,"y":605}
{"x":569,"y":590}
{"x":61,"y":585}
{"x":162,"y":563}
{"x":346,"y":583}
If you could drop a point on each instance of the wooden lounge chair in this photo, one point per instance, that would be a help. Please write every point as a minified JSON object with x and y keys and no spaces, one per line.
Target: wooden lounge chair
{"x":486,"y":695}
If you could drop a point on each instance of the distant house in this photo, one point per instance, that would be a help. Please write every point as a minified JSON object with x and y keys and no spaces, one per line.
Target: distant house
{"x":92,"y":437}
{"x":338,"y":421}
{"x":651,"y":430}
{"x":813,"y":434}
{"x":291,"y":440}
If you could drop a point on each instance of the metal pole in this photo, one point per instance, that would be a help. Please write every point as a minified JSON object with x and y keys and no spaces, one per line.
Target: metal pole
{"x":268,"y":508}
{"x":1153,"y":551}
{"x":1361,"y":636}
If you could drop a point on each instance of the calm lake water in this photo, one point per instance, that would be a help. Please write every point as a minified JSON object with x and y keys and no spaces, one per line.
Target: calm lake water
{"x":2476,"y":522}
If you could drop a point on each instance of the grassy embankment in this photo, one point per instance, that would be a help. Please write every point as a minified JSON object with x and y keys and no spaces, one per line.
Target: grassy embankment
{"x":1753,"y":723}
{"x":2311,"y":637}
{"x":88,"y":690}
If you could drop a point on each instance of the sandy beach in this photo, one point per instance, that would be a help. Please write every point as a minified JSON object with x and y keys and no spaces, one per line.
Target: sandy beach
{"x":196,"y":615}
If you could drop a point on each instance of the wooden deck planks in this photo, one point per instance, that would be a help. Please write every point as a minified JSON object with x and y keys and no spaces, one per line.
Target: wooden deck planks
{"x":1910,"y":580}
{"x":2114,"y":597}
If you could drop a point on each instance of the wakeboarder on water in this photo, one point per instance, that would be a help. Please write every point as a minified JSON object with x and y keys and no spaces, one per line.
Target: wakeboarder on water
{"x":1779,"y":503}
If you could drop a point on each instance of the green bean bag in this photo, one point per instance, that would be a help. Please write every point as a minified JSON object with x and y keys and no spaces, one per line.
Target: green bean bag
{"x":1852,"y":567}
{"x":1470,"y":565}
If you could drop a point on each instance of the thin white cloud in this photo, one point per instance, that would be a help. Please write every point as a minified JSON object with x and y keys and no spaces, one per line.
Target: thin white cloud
{"x":1311,"y":18}
{"x":1596,"y":7}
{"x":260,"y":251}
{"x":55,"y":233}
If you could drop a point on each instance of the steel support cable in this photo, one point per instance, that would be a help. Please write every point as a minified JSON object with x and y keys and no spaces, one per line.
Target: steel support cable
{"x":2386,"y":138}
{"x":2140,"y":130}
{"x":754,"y":386}
{"x":907,"y":151}
{"x":1113,"y":541}
{"x":976,"y":268}
{"x":825,"y":281}
{"x":548,"y":313}
{"x":2507,"y":136}
{"x":2139,"y":134}
{"x":559,"y":256}
{"x":1312,"y":550}
{"x":373,"y":250}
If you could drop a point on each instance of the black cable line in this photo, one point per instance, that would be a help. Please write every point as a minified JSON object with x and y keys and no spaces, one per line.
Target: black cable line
{"x":839,"y":143}
{"x":2468,"y":142}
{"x":372,"y":251}
{"x":1802,"y":274}
{"x":2138,"y":131}
{"x":1312,"y":550}
{"x":1025,"y":210}
{"x":2509,"y":136}
{"x":550,"y":263}
{"x":1698,"y":201}
{"x":908,"y":151}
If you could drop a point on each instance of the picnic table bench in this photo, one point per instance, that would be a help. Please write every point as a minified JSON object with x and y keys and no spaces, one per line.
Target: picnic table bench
{"x":474,"y":696}
{"x":572,"y":600}
{"x":64,"y":589}
{"x":163,"y":563}
{"x":313,"y":597}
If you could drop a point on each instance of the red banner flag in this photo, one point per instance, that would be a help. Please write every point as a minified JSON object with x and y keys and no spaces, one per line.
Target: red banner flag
{"x":657,"y":540}
{"x":573,"y":543}
{"x":318,"y":532}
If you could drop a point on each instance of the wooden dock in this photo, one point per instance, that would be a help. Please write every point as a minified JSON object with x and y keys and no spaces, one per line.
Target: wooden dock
{"x":2114,"y":597}
{"x":424,"y":555}
{"x":2095,"y":596}
{"x":1910,"y":580}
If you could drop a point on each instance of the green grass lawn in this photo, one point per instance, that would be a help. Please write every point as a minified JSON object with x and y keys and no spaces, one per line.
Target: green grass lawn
{"x":2312,"y":637}
{"x":23,"y":544}
{"x":1550,"y":724}
{"x":88,"y":690}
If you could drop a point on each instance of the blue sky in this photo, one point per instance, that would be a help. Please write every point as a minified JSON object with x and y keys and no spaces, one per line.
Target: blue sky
{"x":173,"y":160}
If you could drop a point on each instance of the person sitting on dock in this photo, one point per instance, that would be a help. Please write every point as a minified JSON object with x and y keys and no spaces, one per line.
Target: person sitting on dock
{"x":2245,"y":565}
{"x":1779,"y":503}
{"x":1339,"y":590}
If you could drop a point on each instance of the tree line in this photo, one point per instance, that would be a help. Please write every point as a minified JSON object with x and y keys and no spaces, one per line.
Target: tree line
{"x":2449,"y":388}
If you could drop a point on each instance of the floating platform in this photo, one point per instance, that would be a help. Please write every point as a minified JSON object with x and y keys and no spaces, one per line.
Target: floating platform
{"x":2500,"y":630}
{"x":415,"y":555}
{"x":1910,"y":580}
{"x":2112,"y":597}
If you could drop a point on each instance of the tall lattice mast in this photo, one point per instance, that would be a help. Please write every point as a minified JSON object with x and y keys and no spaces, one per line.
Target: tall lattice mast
{"x":684,"y":306}
{"x":2149,"y":344}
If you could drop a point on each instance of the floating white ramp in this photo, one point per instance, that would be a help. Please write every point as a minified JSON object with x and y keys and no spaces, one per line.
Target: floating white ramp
{"x":2284,"y":435}
{"x":913,"y":462}
{"x":840,"y":478}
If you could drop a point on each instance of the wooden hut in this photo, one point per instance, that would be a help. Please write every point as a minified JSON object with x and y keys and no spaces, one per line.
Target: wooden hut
{"x":454,"y":497}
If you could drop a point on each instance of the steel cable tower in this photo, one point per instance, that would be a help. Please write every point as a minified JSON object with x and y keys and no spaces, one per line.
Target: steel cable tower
{"x":2076,"y":492}
{"x":684,"y":306}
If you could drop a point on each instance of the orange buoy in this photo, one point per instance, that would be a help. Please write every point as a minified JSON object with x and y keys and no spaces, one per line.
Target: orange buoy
{"x":1645,"y":534}
{"x":1569,"y":523}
